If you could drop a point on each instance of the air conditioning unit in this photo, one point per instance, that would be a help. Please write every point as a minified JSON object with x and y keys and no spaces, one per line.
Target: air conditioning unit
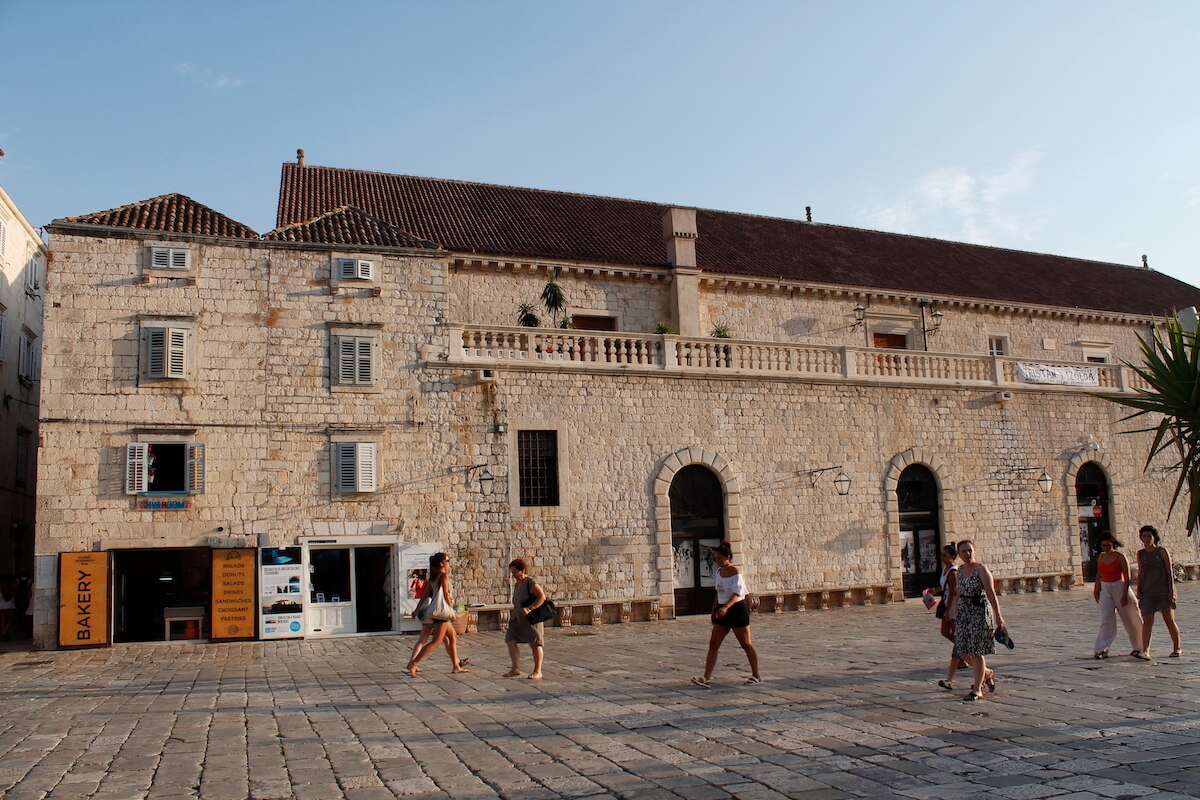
{"x":487,"y":376}
{"x":1003,"y":397}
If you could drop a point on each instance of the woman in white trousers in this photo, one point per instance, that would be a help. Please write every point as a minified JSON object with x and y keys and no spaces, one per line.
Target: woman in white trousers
{"x":1115,"y":599}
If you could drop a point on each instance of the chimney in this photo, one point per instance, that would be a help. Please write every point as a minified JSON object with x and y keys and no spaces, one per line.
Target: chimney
{"x":300,"y":157}
{"x":679,"y":234}
{"x":808,"y":213}
{"x":1145,"y":262}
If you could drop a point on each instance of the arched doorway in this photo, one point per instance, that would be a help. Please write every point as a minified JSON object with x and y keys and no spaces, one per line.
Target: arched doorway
{"x":917,"y":498}
{"x":697,"y":523}
{"x":1091,"y":502}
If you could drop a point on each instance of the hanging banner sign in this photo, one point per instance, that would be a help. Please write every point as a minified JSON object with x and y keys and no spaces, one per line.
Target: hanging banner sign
{"x":281,"y":600}
{"x":233,"y":606}
{"x":83,"y":599}
{"x":1061,"y":376}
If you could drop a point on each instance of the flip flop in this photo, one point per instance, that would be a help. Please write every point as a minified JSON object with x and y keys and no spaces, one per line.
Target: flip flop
{"x":753,"y":680}
{"x":1177,"y":654}
{"x":702,"y":681}
{"x":462,"y":662}
{"x":1141,"y":656}
{"x":973,"y":696}
{"x":949,"y":687}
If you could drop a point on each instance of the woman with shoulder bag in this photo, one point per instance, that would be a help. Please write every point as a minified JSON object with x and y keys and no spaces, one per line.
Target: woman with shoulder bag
{"x":1156,"y":590}
{"x":730,"y":613}
{"x":946,"y":609}
{"x":527,"y":597}
{"x":439,"y":615}
{"x":977,"y":619}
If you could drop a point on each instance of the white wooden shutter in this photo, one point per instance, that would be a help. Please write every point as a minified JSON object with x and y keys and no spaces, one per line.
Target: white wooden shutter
{"x":195,"y":468}
{"x":3,"y":238}
{"x":25,"y":368}
{"x":176,"y":362}
{"x":160,"y":257}
{"x":366,"y":466}
{"x":156,"y":352}
{"x":137,"y":458}
{"x":366,"y":361}
{"x":366,"y":270}
{"x":347,"y":350}
{"x":347,"y":268}
{"x":345,"y":466}
{"x":180,"y":259}
{"x":31,"y":273}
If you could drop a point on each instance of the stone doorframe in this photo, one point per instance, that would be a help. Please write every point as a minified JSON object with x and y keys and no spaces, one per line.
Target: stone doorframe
{"x":1074,"y":546}
{"x":914,"y":455}
{"x":664,"y":554}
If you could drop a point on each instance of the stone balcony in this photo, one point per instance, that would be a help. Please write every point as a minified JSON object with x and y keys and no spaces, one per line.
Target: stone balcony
{"x":547,"y":349}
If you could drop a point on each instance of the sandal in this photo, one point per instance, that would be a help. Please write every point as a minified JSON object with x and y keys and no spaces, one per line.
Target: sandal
{"x":700,"y":680}
{"x":990,"y":681}
{"x":753,"y":680}
{"x":462,"y":662}
{"x":973,"y":696}
{"x":1100,"y":655}
{"x":1177,"y":654}
{"x":1135,"y":653}
{"x":1141,"y":656}
{"x":947,"y":685}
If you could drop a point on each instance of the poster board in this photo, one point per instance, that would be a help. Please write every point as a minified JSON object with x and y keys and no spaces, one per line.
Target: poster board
{"x":414,"y":573}
{"x":83,"y":599}
{"x":280,"y":593}
{"x":233,"y":595}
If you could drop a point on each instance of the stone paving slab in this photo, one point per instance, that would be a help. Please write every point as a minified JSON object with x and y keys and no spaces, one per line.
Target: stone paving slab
{"x":850,"y":709}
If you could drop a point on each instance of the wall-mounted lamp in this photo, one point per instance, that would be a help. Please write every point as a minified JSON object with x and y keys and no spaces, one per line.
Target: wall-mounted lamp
{"x":841,"y":482}
{"x":860,"y":314}
{"x":934,"y":321}
{"x":487,"y":483}
{"x":1045,"y":482}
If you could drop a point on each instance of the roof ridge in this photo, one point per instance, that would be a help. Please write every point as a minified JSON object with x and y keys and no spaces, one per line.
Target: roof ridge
{"x":135,"y":205}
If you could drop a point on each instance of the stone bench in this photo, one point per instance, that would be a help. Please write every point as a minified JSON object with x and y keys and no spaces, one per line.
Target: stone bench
{"x":584,"y":612}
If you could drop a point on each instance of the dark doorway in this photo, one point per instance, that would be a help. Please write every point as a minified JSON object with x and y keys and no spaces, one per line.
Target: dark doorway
{"x":697,"y":523}
{"x":1091,"y":502}
{"x":372,"y":577}
{"x":920,"y":531}
{"x":148,"y":582}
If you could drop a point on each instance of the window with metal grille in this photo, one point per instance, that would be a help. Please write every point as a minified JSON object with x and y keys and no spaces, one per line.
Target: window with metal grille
{"x":537,"y":468}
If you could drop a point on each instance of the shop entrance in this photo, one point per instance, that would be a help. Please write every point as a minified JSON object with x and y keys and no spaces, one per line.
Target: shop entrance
{"x":161,"y":594}
{"x":697,"y":523}
{"x":349,"y":589}
{"x":1091,"y":501}
{"x":920,"y":531}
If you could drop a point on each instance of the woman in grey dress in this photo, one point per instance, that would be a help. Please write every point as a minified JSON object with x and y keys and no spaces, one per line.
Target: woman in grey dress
{"x":976,"y":618}
{"x":527,"y":596}
{"x":1156,"y":590}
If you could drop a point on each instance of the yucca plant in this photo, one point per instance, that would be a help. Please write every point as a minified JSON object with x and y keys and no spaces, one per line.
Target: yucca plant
{"x":527,"y":317}
{"x":1171,"y":368}
{"x":554,"y":299}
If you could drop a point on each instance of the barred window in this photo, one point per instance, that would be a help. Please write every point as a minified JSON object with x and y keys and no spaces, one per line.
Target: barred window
{"x":537,"y":467}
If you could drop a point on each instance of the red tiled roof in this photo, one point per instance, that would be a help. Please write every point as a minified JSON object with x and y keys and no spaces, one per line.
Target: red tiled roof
{"x":532,"y":223}
{"x":169,"y":213}
{"x":348,"y":225}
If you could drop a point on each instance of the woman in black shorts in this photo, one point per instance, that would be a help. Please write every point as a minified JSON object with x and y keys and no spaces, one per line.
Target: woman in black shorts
{"x":730,"y":613}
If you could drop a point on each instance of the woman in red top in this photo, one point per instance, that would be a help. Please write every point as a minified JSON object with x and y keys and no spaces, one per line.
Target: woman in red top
{"x":1113,"y":595}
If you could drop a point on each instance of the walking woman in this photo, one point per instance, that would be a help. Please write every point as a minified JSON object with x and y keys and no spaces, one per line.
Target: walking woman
{"x":976,"y":619}
{"x":1113,"y":595}
{"x":1156,"y":590}
{"x":946,"y":609}
{"x":527,"y":596}
{"x":441,"y":630}
{"x":730,"y":613}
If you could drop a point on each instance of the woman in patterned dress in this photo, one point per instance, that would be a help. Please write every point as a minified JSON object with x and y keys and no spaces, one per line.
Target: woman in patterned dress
{"x":976,"y":618}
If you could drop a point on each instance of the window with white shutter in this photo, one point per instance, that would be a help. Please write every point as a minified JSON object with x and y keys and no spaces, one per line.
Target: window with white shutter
{"x":355,"y":269}
{"x":166,"y":352}
{"x":164,"y":468}
{"x":354,"y":467}
{"x":176,"y":258}
{"x":27,"y":368}
{"x":3,"y":238}
{"x":354,"y":360}
{"x":33,"y":269}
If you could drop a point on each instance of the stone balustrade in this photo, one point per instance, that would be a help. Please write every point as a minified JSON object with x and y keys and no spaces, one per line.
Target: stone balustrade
{"x":554,"y":349}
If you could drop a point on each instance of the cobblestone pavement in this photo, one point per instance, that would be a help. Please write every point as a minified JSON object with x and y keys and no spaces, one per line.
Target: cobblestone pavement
{"x":850,"y":709}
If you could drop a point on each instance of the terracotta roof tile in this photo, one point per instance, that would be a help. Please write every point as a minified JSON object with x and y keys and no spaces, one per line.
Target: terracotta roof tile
{"x":531,"y":223}
{"x":168,"y":213}
{"x":348,"y":225}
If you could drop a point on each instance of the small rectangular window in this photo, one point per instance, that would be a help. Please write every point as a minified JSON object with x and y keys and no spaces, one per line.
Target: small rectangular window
{"x":537,"y":468}
{"x":3,"y":237}
{"x":165,"y":352}
{"x":998,"y":345}
{"x":27,"y":368}
{"x":354,"y":360}
{"x":593,"y":322}
{"x":177,"y":258}
{"x":33,"y":270}
{"x":354,"y":467}
{"x":356,"y":269}
{"x":889,"y":341}
{"x":164,"y":468}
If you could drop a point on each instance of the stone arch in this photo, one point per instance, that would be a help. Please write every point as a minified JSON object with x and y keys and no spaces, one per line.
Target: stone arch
{"x":914,"y":455}
{"x":662,"y":515}
{"x":1091,"y":454}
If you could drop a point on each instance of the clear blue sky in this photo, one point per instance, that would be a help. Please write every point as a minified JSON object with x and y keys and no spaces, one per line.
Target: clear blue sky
{"x":1064,"y":127}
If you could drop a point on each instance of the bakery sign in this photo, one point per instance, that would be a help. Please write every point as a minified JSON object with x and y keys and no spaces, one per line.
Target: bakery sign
{"x":82,"y":599}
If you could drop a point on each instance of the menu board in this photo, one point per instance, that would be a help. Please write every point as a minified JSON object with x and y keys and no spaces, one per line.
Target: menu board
{"x":82,"y":599}
{"x":233,"y":593}
{"x":280,"y":591}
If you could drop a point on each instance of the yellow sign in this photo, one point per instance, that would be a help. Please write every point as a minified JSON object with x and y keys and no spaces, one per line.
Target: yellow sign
{"x":82,"y":599}
{"x":233,"y":596}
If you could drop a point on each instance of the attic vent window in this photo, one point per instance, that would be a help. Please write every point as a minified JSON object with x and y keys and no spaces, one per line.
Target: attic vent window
{"x":355,"y":269}
{"x":177,"y":258}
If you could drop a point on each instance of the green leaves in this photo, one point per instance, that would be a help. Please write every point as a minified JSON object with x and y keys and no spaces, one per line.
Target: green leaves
{"x":1171,"y":369}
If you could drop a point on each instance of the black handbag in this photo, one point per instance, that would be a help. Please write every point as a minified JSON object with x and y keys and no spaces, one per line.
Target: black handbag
{"x":543,"y":613}
{"x":940,"y":611}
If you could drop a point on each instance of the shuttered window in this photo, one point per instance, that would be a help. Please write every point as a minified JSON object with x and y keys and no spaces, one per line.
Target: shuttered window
{"x":165,"y":352}
{"x":164,"y":468}
{"x":354,"y":467}
{"x":178,"y":258}
{"x":354,"y":360}
{"x":355,"y":269}
{"x":27,"y":368}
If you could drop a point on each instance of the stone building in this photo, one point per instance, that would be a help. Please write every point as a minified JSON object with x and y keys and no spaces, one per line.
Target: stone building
{"x":23,"y":262}
{"x":351,"y":387}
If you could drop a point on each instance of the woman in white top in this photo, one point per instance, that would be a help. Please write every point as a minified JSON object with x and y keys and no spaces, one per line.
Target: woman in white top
{"x":730,"y":612}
